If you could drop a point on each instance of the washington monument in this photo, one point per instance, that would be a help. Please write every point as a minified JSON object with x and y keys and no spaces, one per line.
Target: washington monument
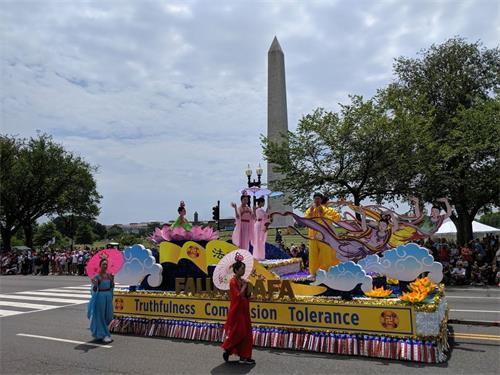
{"x":277,"y":122}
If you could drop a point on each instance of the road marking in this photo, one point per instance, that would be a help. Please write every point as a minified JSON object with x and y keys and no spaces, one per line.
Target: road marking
{"x":472,"y":297}
{"x":42,"y":300}
{"x":86,"y":291}
{"x":51,"y":294}
{"x":27,"y":305}
{"x":64,"y":340}
{"x":476,"y":334}
{"x":46,"y":299}
{"x":480,"y":311}
{"x":448,"y":289}
{"x":9,"y":313}
{"x":476,"y":337}
{"x":86,"y":288}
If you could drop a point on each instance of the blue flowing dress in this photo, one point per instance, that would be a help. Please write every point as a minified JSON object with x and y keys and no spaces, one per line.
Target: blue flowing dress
{"x":100,"y":308}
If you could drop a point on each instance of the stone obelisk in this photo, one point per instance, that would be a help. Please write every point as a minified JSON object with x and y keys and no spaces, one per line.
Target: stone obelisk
{"x":277,"y":122}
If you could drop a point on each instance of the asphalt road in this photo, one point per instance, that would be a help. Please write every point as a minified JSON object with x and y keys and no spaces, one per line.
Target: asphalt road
{"x":33,"y":311}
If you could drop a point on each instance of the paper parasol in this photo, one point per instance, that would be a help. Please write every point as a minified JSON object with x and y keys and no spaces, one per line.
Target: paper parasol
{"x":276,"y":194}
{"x":255,"y":191}
{"x":223,"y":272}
{"x":115,"y":262}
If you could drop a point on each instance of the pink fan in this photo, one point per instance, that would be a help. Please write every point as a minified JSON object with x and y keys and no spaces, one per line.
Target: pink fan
{"x":115,"y":262}
{"x":223,"y":273}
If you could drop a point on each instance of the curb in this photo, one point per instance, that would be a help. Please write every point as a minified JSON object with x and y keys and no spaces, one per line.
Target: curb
{"x":486,"y":323}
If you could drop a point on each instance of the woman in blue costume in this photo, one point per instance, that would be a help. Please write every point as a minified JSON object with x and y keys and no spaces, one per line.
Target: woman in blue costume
{"x":100,"y":308}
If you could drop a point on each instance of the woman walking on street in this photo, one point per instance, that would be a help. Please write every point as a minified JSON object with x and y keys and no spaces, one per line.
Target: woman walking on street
{"x":238,"y":327}
{"x":100,"y":308}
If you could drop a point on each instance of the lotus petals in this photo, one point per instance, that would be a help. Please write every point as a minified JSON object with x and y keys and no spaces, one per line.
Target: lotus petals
{"x":197,"y":233}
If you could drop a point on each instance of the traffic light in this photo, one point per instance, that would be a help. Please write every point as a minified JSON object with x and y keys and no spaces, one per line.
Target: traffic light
{"x":215,"y":213}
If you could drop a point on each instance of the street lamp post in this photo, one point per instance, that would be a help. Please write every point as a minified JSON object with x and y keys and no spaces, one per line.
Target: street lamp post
{"x":252,"y":183}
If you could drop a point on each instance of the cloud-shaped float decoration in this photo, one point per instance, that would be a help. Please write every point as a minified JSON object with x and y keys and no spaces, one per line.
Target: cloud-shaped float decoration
{"x":405,"y":263}
{"x":139,"y":263}
{"x":345,"y":277}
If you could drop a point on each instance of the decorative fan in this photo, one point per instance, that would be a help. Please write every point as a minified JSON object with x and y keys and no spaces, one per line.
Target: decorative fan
{"x":115,"y":262}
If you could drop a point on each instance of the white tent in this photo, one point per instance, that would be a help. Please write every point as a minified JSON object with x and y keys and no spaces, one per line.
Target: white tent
{"x":449,"y":228}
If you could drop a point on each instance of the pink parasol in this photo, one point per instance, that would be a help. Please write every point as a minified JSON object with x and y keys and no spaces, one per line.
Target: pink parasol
{"x":115,"y":262}
{"x":223,"y":273}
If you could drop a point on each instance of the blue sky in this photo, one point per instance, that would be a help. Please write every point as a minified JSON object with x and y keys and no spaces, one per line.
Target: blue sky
{"x":169,"y":99}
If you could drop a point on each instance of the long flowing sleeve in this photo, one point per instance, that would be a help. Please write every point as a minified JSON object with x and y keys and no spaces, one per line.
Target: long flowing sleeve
{"x":331,"y":214}
{"x":309,"y":213}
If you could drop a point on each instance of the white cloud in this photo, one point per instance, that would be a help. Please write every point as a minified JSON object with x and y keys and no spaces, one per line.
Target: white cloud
{"x":169,"y":98}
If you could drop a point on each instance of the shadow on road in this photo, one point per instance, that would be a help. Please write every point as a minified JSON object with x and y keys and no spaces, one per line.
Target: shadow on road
{"x":232,"y":367}
{"x":89,"y":346}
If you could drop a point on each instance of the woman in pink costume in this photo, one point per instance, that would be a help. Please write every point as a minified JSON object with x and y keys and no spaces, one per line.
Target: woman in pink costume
{"x":243,"y":232}
{"x":260,"y":230}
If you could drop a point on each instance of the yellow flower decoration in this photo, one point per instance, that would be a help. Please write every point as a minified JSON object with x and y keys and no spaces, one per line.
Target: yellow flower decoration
{"x":379,"y":292}
{"x":414,"y":296}
{"x":392,"y":281}
{"x":422,"y":285}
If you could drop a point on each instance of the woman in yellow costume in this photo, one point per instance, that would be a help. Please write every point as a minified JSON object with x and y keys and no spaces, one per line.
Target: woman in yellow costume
{"x":415,"y":227}
{"x":320,"y":254}
{"x":343,"y":240}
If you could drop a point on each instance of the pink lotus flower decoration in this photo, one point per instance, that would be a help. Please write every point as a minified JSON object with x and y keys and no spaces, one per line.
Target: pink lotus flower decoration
{"x":197,"y":233}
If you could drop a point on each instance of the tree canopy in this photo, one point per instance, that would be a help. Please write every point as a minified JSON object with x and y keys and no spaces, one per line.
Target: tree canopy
{"x":433,"y":132}
{"x":40,"y":178}
{"x":456,"y":87}
{"x":356,"y":153}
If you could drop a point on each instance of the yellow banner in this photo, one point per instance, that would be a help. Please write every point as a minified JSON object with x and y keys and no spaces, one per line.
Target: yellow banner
{"x":374,"y":319}
{"x":196,"y":254}
{"x":169,"y":252}
{"x":216,"y":249}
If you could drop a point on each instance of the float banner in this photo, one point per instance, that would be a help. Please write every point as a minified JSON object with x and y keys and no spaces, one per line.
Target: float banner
{"x":356,"y":318}
{"x":202,"y":257}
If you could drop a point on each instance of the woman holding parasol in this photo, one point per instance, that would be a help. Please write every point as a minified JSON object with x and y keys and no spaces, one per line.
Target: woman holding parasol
{"x":100,"y":308}
{"x":238,"y":327}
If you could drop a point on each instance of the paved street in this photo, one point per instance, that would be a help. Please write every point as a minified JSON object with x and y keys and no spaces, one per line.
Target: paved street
{"x":44,"y":330}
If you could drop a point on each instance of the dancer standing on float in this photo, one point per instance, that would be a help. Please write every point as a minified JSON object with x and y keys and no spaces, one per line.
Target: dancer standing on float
{"x":238,"y":328}
{"x":417,"y":226}
{"x":245,"y":219}
{"x":181,"y":220}
{"x":100,"y":308}
{"x":260,"y":230}
{"x":320,"y":254}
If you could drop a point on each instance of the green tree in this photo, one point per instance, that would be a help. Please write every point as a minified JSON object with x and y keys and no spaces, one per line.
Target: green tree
{"x":455,"y":86}
{"x":40,"y":178}
{"x":99,"y":230}
{"x":45,"y":233}
{"x":115,"y":231}
{"x":492,"y":219}
{"x":128,"y":239}
{"x":360,"y":152}
{"x":10,"y":149}
{"x":84,"y":234}
{"x":68,"y":225}
{"x":152,"y":226}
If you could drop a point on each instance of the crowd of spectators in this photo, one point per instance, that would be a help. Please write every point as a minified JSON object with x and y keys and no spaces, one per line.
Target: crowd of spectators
{"x":477,"y":263}
{"x":45,"y":262}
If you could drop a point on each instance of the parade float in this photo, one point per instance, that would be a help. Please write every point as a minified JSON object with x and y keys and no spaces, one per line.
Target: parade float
{"x":379,"y":299}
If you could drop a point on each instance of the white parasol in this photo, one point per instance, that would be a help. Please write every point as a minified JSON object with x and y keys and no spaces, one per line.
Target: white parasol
{"x":223,"y":272}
